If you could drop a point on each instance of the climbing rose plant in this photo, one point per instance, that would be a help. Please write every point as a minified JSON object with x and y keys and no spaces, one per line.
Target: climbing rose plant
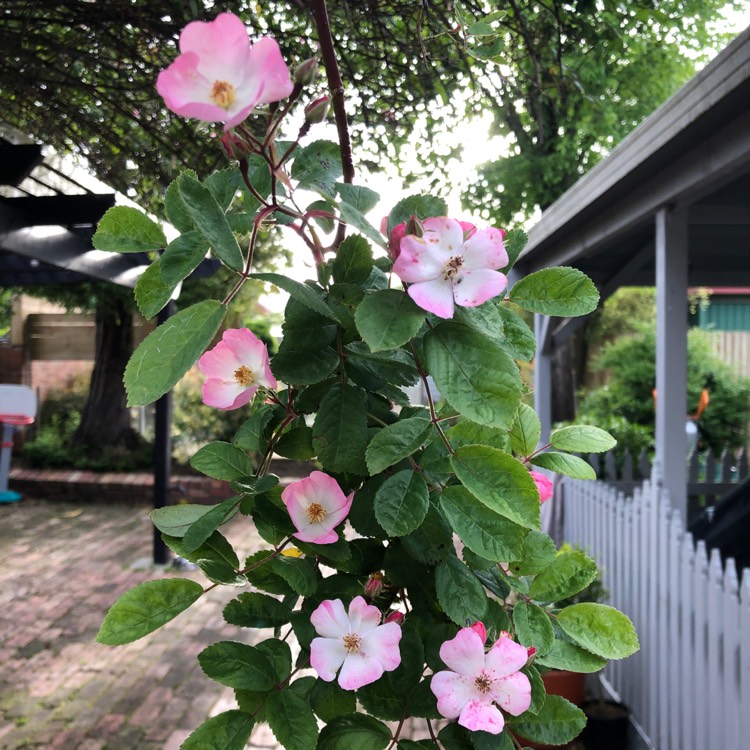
{"x":406,"y":577}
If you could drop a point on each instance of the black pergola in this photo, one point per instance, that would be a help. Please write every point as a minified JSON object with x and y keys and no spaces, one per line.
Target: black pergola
{"x":46,"y":239}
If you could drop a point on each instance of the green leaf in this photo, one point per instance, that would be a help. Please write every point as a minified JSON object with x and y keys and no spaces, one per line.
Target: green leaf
{"x":223,"y":185}
{"x":202,"y":529}
{"x":226,"y":731}
{"x":421,"y":206}
{"x":485,"y":319}
{"x":354,"y":732}
{"x":499,"y":481}
{"x":174,"y":206}
{"x":298,"y":572}
{"x":561,"y":291}
{"x":175,"y":520}
{"x":357,"y":219}
{"x":253,"y":610}
{"x":237,"y":665}
{"x":329,"y":700}
{"x":340,"y":430}
{"x":395,"y":442}
{"x":222,"y":460}
{"x":167,"y":353}
{"x":300,"y":292}
{"x":393,"y":366}
{"x":215,"y":557}
{"x":526,"y":431}
{"x":318,"y":166}
{"x":557,"y":723}
{"x":564,"y":655}
{"x":123,"y":229}
{"x":353,"y":261}
{"x":388,"y":319}
{"x":582,"y":439}
{"x":291,"y":720}
{"x":533,"y":627}
{"x":538,"y":552}
{"x":601,"y":629}
{"x":483,"y":531}
{"x":305,"y":366}
{"x":296,"y":444}
{"x":252,"y":434}
{"x":487,"y":741}
{"x":562,"y":463}
{"x":519,"y":340}
{"x":401,"y":503}
{"x":146,"y":608}
{"x":460,"y":594}
{"x":209,"y":219}
{"x":515,"y":241}
{"x":474,"y":374}
{"x":569,"y":573}
{"x":151,"y":291}
{"x":182,"y":256}
{"x":357,"y":196}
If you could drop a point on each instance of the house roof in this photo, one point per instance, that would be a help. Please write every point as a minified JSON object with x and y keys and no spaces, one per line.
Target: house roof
{"x":694,"y":151}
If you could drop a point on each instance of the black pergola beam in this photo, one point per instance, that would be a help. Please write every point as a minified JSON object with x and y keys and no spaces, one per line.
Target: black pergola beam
{"x":17,"y":161}
{"x":60,"y":210}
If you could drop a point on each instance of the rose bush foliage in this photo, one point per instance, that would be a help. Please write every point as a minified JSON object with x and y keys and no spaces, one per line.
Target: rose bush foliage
{"x":419,"y":584}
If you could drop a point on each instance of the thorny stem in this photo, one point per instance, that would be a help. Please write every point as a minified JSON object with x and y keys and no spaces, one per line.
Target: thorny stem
{"x":430,"y":402}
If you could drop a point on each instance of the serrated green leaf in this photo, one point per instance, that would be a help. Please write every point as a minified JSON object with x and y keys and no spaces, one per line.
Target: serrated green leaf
{"x":421,"y":206}
{"x":564,"y":655}
{"x":362,"y":198}
{"x":340,"y":430}
{"x":538,"y":552}
{"x":305,"y":366}
{"x":329,"y":700}
{"x":202,"y":529}
{"x":560,"y":291}
{"x":354,"y":732}
{"x":353,"y":261}
{"x":569,"y":573}
{"x":182,"y":256}
{"x":254,"y":433}
{"x":237,"y":665}
{"x":485,"y":319}
{"x":222,"y":460}
{"x":515,"y":241}
{"x":291,"y":720}
{"x":152,"y":292}
{"x":388,"y":319}
{"x":394,"y":366}
{"x":215,"y":557}
{"x":562,"y":463}
{"x":557,"y":723}
{"x":167,"y":353}
{"x":483,"y":531}
{"x":146,"y":608}
{"x":357,"y":219}
{"x":298,"y":572}
{"x":253,"y":610}
{"x":499,"y":481}
{"x":296,"y":444}
{"x":229,"y":730}
{"x":603,"y":630}
{"x":526,"y":431}
{"x":223,"y":185}
{"x":209,"y":219}
{"x":174,"y":207}
{"x":533,"y":627}
{"x":175,"y":520}
{"x":459,"y":592}
{"x":395,"y":442}
{"x":300,"y":292}
{"x":582,"y":439}
{"x":318,"y":166}
{"x":124,"y":229}
{"x":519,"y":340}
{"x":474,"y":374}
{"x":401,"y":502}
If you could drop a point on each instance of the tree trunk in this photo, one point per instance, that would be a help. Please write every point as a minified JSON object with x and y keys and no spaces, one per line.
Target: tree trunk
{"x":105,"y":420}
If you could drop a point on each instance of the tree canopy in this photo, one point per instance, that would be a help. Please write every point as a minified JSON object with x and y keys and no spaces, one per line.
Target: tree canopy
{"x":565,"y":81}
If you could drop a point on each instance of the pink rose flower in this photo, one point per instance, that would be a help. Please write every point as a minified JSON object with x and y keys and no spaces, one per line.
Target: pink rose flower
{"x":442,"y":268}
{"x":316,"y":505}
{"x":355,"y":642}
{"x":220,"y":76}
{"x":235,"y":368}
{"x":544,"y":485}
{"x":476,"y":681}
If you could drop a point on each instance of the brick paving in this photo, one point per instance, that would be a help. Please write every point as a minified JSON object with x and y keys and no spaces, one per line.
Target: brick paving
{"x":61,"y":566}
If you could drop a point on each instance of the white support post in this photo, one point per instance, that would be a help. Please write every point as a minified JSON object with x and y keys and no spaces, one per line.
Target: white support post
{"x":671,"y":355}
{"x":543,"y":375}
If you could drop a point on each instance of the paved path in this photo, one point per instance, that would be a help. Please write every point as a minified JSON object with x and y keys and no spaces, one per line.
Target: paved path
{"x":61,"y":567}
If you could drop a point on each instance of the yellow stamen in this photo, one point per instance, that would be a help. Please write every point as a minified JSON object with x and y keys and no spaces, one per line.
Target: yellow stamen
{"x":351,"y":643}
{"x":223,"y":94}
{"x":244,"y":376}
{"x":316,"y":513}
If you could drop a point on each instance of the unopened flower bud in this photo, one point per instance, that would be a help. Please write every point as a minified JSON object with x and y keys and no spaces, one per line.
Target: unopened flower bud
{"x":306,"y":71}
{"x":374,"y":585}
{"x":480,"y":630}
{"x":235,"y":146}
{"x":414,"y":226}
{"x":317,"y":110}
{"x":395,"y":616}
{"x":530,"y":651}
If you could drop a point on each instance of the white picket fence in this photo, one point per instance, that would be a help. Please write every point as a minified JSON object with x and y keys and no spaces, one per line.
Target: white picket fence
{"x":689,"y":685}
